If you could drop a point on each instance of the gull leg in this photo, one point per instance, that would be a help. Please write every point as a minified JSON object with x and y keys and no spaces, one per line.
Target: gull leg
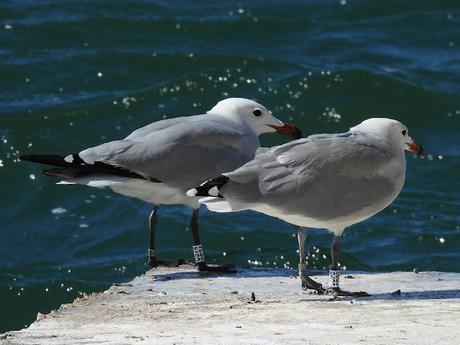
{"x":152,"y":226}
{"x":306,"y":281}
{"x":301,"y":238}
{"x":198,"y":252}
{"x":334,"y":273}
{"x":152,"y":257}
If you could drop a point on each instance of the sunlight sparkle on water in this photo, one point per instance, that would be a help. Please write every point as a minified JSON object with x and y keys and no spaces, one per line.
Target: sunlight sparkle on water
{"x":58,"y":210}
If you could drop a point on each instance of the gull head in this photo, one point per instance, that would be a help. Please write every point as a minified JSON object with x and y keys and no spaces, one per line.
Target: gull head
{"x":393,"y":131}
{"x":255,"y":116}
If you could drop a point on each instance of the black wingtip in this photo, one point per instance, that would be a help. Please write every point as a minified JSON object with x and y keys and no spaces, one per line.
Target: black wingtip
{"x":78,"y":168}
{"x":56,"y":160}
{"x":30,"y":158}
{"x":209,"y":188}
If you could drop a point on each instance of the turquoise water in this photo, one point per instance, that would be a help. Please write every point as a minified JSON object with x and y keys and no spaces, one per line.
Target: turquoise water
{"x":77,"y":73}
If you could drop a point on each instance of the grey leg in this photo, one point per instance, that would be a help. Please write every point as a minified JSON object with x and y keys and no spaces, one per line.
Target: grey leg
{"x":198,"y":252}
{"x":153,"y":261}
{"x":306,"y":281}
{"x":152,"y":226}
{"x":301,"y":238}
{"x":334,"y":274}
{"x":335,"y":248}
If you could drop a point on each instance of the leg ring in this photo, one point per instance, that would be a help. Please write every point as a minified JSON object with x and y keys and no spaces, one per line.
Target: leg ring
{"x":198,"y":253}
{"x":334,"y":277}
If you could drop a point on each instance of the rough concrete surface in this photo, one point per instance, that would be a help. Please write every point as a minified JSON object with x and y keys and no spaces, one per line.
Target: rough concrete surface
{"x":181,"y":306}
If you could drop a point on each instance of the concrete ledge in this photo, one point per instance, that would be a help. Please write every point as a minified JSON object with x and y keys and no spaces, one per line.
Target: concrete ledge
{"x":180,"y":306}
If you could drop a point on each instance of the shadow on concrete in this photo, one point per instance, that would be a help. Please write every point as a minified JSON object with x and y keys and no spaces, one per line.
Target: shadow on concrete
{"x":190,"y":272}
{"x":414,"y":295}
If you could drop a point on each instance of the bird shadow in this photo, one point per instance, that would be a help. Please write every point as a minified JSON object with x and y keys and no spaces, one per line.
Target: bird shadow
{"x":260,"y":272}
{"x":245,"y":272}
{"x":416,"y":295}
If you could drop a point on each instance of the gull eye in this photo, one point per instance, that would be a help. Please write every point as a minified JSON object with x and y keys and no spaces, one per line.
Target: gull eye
{"x":404,"y":132}
{"x":257,"y":113}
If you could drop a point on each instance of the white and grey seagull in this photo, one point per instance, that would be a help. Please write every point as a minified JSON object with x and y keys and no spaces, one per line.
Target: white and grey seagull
{"x":328,"y":181}
{"x":158,"y":163}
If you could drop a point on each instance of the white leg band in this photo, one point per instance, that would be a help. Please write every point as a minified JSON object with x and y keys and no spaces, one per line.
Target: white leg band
{"x":334,"y":276}
{"x":198,"y":253}
{"x":151,"y":252}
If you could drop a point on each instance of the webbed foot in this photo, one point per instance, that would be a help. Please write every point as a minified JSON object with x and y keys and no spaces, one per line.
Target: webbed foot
{"x":340,"y":292}
{"x":308,"y":283}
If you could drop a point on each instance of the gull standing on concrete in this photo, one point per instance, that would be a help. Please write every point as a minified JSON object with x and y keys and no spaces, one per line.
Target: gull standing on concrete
{"x":158,"y":163}
{"x":328,"y":181}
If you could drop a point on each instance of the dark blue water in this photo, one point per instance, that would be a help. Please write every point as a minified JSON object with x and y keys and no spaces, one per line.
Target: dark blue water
{"x":77,"y":73}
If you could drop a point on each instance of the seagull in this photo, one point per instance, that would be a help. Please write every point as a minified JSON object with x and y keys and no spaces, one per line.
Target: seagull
{"x":327,"y":181}
{"x":158,"y":163}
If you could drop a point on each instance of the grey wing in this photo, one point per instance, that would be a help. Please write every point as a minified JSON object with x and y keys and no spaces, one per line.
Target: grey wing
{"x":182,"y":155}
{"x":315,"y":175}
{"x":353,"y":154}
{"x":108,"y":151}
{"x":141,"y":133}
{"x":279,"y":166}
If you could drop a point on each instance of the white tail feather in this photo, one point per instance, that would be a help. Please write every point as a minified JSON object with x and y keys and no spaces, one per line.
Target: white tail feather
{"x":216,"y":204}
{"x":96,"y":182}
{"x":192,"y":192}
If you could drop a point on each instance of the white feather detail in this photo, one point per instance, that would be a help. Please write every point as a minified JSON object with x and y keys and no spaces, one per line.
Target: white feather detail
{"x":192,"y":192}
{"x":214,"y":191}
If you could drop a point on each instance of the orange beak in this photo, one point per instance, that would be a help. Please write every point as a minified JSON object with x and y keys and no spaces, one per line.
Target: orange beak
{"x":289,"y":130}
{"x":416,"y":149}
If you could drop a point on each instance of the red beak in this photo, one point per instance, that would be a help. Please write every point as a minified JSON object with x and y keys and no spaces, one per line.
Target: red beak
{"x":416,"y":149}
{"x":289,"y":130}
